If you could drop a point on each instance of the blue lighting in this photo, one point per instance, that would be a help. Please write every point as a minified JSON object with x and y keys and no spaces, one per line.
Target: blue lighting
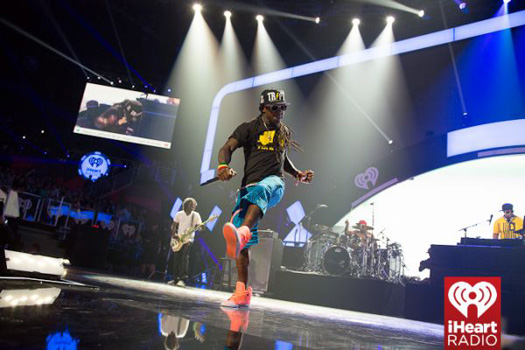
{"x":176,"y":207}
{"x":159,"y":322}
{"x":215,"y":211}
{"x":61,"y":341}
{"x":282,"y":345}
{"x":487,"y":136}
{"x":421,"y":42}
{"x":93,"y":166}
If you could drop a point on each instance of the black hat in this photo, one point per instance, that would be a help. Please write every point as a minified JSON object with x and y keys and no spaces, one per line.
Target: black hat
{"x":272,"y":96}
{"x":507,"y":206}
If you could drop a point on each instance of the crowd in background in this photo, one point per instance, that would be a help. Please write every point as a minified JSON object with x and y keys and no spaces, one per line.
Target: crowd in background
{"x":139,"y":254}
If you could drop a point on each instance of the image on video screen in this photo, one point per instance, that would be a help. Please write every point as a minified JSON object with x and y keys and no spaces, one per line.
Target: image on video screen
{"x":127,"y":115}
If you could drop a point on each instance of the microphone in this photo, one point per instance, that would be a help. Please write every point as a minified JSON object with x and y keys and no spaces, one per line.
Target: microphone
{"x":491,"y":216}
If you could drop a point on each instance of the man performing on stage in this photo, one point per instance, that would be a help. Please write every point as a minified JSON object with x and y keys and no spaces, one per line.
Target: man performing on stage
{"x":185,"y":223}
{"x":508,"y":225}
{"x":266,"y":142}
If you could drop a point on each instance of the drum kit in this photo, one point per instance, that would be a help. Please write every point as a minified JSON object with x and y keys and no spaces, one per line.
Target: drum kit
{"x":357,"y":254}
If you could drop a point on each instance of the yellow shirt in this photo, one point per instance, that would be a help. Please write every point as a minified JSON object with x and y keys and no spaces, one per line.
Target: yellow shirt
{"x":504,"y":230}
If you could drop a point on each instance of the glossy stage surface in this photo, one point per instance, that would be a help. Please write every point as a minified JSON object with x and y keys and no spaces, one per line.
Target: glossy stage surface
{"x":119,"y":313}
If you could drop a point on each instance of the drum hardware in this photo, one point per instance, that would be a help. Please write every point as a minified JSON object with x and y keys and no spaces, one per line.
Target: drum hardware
{"x":328,"y":252}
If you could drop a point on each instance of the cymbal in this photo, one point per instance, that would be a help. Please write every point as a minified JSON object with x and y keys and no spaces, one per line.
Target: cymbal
{"x":322,"y":228}
{"x":366,"y":227}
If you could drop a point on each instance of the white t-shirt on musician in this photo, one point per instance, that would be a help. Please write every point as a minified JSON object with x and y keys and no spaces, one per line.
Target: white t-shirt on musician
{"x":185,"y":222}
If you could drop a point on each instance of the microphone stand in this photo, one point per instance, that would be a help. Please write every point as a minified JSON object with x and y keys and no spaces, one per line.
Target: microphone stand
{"x":464,"y":229}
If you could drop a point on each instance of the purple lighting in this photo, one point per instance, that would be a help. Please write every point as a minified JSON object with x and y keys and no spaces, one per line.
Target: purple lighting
{"x":462,"y":6}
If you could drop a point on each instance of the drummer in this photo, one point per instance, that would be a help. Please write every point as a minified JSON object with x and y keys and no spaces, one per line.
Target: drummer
{"x":361,"y":231}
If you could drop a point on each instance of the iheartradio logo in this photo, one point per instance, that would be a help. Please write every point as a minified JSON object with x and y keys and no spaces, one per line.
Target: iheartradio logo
{"x":472,"y":313}
{"x":461,"y":295}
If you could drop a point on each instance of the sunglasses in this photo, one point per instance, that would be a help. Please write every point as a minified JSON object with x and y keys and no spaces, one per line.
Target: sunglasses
{"x":275,"y":108}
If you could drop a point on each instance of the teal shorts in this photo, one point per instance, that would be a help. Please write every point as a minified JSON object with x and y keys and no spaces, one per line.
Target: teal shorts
{"x":266,"y":194}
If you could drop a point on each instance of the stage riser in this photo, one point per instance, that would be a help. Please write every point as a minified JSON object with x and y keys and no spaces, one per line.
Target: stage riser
{"x":377,"y":297}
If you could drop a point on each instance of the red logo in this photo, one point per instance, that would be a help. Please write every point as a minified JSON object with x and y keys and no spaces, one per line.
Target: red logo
{"x":472,"y":313}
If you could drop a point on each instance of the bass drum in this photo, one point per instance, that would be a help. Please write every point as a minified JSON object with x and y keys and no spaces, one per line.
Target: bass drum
{"x":337,"y":261}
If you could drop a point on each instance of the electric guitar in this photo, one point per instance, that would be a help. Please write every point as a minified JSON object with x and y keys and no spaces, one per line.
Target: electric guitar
{"x":177,"y":242}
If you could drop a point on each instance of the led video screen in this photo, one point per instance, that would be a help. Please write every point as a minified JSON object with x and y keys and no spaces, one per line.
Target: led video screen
{"x":127,"y":115}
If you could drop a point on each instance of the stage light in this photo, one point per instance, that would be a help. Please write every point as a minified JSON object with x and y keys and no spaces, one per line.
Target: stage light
{"x":421,"y":13}
{"x":390,"y":142}
{"x":24,"y":137}
{"x":317,"y":20}
{"x":259,"y":18}
{"x":197,"y":7}
{"x":390,"y":19}
{"x":87,"y":78}
{"x":42,"y":131}
{"x":227,"y":14}
{"x":356,"y":21}
{"x":169,"y":90}
{"x":462,"y":6}
{"x":506,"y":1}
{"x":98,"y":78}
{"x":111,"y":82}
{"x":132,"y":86}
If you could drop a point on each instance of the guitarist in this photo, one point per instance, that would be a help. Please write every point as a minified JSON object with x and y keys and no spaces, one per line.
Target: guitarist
{"x":184,"y":220}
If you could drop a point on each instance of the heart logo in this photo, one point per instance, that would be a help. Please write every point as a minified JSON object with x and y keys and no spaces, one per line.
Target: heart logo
{"x":462,"y":295}
{"x":25,"y":204}
{"x":370,"y":175}
{"x":128,"y":230}
{"x":95,"y":161}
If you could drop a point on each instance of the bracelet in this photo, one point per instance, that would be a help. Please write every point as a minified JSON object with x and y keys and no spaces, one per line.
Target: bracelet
{"x":222,"y":166}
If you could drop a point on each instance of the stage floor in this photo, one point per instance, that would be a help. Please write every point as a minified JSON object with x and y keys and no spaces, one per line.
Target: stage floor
{"x":131,"y":314}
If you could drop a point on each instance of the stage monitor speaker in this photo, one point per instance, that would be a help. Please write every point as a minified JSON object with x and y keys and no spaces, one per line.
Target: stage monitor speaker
{"x":91,"y":247}
{"x":265,"y":258}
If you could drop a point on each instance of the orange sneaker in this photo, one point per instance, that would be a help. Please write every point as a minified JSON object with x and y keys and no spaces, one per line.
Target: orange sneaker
{"x":236,"y":239}
{"x":241,"y":298}
{"x":239,"y":319}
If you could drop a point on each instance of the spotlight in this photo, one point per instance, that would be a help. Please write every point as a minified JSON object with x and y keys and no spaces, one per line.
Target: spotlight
{"x":197,"y":7}
{"x":390,"y":19}
{"x":317,"y":20}
{"x":87,"y":78}
{"x":169,"y":90}
{"x":390,"y":142}
{"x":24,"y":137}
{"x":111,"y":82}
{"x":132,"y":86}
{"x":506,"y":1}
{"x":259,"y":18}
{"x":356,"y":21}
{"x":462,"y":6}
{"x":421,"y":13}
{"x":42,"y":131}
{"x":227,"y":14}
{"x":98,"y":78}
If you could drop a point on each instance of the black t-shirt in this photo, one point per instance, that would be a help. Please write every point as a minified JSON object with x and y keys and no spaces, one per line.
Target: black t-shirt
{"x":261,"y":158}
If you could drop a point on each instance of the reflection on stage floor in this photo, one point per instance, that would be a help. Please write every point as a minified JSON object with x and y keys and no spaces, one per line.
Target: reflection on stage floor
{"x":119,"y":313}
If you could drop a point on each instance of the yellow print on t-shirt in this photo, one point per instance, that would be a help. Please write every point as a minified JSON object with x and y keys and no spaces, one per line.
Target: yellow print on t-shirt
{"x":266,"y":137}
